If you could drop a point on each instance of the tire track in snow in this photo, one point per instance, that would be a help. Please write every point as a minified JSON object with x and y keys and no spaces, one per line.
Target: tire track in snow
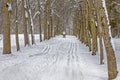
{"x":69,"y":52}
{"x":61,"y":62}
{"x":73,"y":63}
{"x":58,"y":64}
{"x":76,"y":51}
{"x":43,"y":52}
{"x":77,"y":60}
{"x":53,"y":59}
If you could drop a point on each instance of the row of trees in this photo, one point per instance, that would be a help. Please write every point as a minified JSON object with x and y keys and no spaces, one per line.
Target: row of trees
{"x":45,"y":17}
{"x":90,"y":22}
{"x":51,"y":17}
{"x":22,"y":15}
{"x":113,"y":7}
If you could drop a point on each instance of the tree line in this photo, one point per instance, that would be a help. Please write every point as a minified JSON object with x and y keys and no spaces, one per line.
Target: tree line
{"x":90,"y":23}
{"x":26,"y":18}
{"x":51,"y":17}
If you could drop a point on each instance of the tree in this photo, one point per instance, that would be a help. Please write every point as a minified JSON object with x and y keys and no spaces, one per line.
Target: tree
{"x":16,"y":30}
{"x":97,"y":6}
{"x":45,"y":20}
{"x":48,"y":18}
{"x":40,"y":27}
{"x":56,"y":25}
{"x":97,"y":14}
{"x":30,"y":21}
{"x":111,"y":59}
{"x":24,"y":15}
{"x":93,"y":27}
{"x":7,"y":23}
{"x":114,"y":17}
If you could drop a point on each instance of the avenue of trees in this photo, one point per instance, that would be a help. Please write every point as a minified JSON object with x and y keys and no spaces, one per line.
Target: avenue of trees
{"x":86,"y":19}
{"x":90,"y":22}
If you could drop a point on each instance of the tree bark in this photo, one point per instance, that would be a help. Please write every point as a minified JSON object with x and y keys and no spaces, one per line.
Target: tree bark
{"x":51,"y":23}
{"x":45,"y":21}
{"x":97,"y":7}
{"x":111,"y":59}
{"x":49,"y":19}
{"x":26,"y":38}
{"x":93,"y":28}
{"x":6,"y":30}
{"x":40,"y":27}
{"x":16,"y":30}
{"x":30,"y":22}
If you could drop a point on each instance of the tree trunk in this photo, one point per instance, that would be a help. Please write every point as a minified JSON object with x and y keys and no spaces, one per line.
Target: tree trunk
{"x":97,"y":7}
{"x":93,"y":28}
{"x":111,"y":59}
{"x":40,"y":29}
{"x":49,"y":20}
{"x":26,"y":38}
{"x":57,"y":25}
{"x":45,"y":21}
{"x":30,"y":22}
{"x":51,"y":25}
{"x":82,"y":24}
{"x":86,"y":23}
{"x":56,"y":20}
{"x":6,"y":31}
{"x":16,"y":30}
{"x":73,"y":26}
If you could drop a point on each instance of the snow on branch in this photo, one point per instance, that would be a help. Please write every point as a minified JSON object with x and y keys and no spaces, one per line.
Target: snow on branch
{"x":117,"y":7}
{"x":52,"y":3}
{"x":9,"y":7}
{"x":36,"y":14}
{"x":26,"y":14}
{"x":116,"y":3}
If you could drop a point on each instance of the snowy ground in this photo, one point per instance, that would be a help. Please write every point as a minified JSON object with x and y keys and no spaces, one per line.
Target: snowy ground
{"x":56,"y":59}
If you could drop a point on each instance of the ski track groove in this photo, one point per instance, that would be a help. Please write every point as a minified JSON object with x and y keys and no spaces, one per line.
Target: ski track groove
{"x":53,"y":59}
{"x":43,"y":52}
{"x":73,"y":61}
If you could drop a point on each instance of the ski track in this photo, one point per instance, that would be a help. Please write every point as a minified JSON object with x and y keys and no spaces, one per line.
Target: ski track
{"x":58,"y":60}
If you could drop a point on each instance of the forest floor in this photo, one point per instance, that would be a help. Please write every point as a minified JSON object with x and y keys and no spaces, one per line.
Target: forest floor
{"x":55,"y":59}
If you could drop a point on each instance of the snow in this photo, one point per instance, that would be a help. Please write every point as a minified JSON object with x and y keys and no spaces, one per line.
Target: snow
{"x":31,"y":18}
{"x":26,"y":14}
{"x":55,"y":59}
{"x":9,"y":6}
{"x":35,"y":14}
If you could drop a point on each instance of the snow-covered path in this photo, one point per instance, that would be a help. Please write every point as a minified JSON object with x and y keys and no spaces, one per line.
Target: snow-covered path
{"x":56,"y":59}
